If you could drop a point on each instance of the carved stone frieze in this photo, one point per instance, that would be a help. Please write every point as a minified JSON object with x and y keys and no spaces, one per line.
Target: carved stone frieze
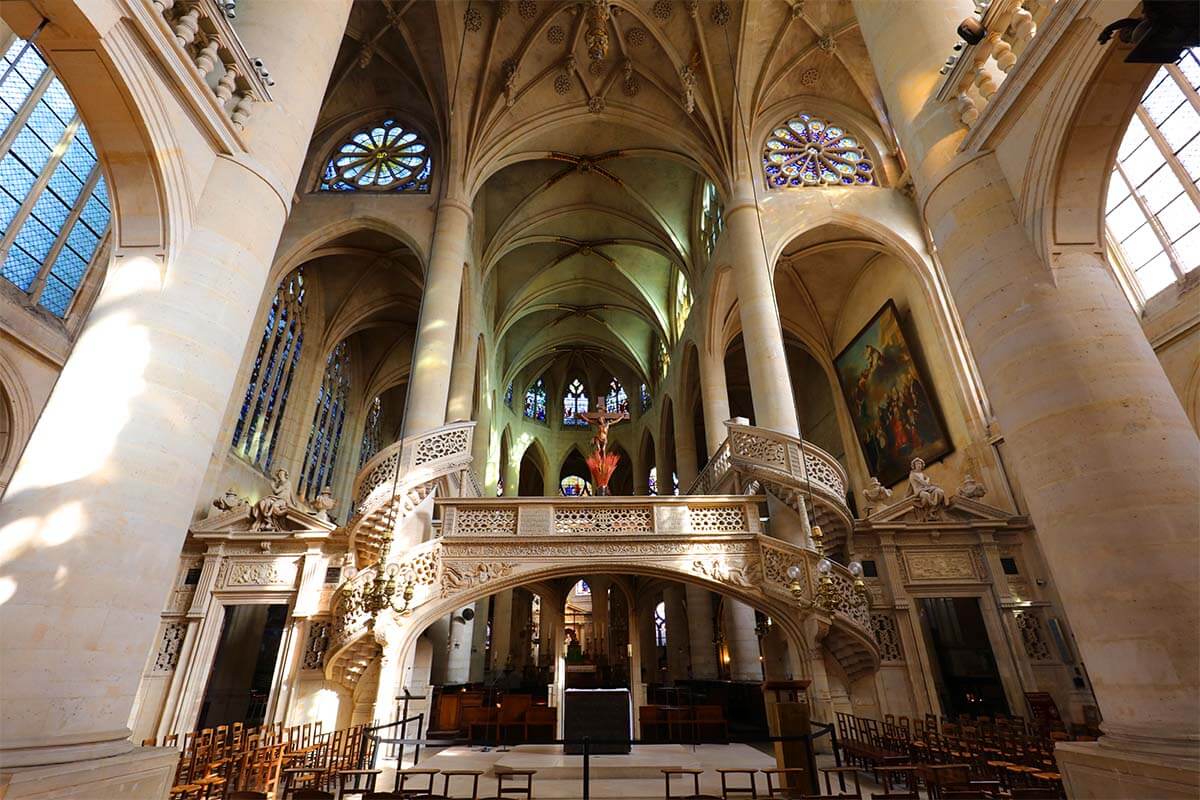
{"x":457,"y":579}
{"x":259,"y":573}
{"x":941,"y":565}
{"x":745,"y":574}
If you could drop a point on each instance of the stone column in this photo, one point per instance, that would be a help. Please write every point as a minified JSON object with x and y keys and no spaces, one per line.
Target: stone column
{"x":458,"y":658}
{"x":479,"y":641}
{"x":648,"y":642}
{"x":97,"y":508}
{"x":1097,"y":436}
{"x":502,"y":639}
{"x":678,"y":636}
{"x":714,"y":395}
{"x":462,"y":380}
{"x":742,"y":641}
{"x":770,"y":386}
{"x":438,"y":633}
{"x":685,"y":444}
{"x":700,"y":633}
{"x":512,"y":473}
{"x":521,"y":615}
{"x":433,"y":356}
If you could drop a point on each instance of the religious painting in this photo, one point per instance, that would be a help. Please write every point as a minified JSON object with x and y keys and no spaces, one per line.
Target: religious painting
{"x":894,"y":415}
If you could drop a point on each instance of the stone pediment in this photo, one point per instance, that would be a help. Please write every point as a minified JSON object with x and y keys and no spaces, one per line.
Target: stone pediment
{"x":961,"y":513}
{"x":238,"y":523}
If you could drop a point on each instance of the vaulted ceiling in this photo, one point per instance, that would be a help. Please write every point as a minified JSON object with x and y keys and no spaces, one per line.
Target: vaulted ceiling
{"x":583,"y":131}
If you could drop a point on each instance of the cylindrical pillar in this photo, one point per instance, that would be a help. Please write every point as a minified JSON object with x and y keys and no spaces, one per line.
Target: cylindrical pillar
{"x":1103,"y":449}
{"x":678,"y":636}
{"x":97,"y":508}
{"x":742,"y":641}
{"x":433,"y":357}
{"x":714,"y":395}
{"x":762,"y":334}
{"x":458,"y":659}
{"x":685,"y":443}
{"x":512,"y":473}
{"x":462,"y":382}
{"x":438,"y":634}
{"x":600,"y":623}
{"x":700,"y":633}
{"x":501,"y":644}
{"x":479,"y":641}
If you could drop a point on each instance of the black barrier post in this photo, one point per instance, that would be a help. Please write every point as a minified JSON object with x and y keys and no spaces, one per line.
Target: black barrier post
{"x":587,"y":753}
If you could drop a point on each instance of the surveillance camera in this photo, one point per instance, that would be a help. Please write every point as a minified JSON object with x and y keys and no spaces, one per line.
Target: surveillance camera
{"x":971,"y":31}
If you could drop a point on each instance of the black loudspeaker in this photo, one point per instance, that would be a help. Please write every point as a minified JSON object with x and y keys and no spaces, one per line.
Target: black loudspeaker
{"x":467,"y":614}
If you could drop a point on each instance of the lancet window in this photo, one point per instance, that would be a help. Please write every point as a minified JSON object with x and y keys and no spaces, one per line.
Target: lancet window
{"x":660,"y":625}
{"x":54,"y":205}
{"x":647,"y":401}
{"x":325,"y":437}
{"x":385,"y":157}
{"x":257,"y":429}
{"x":575,"y":401}
{"x":508,"y":395}
{"x":372,"y":432}
{"x":809,"y":151}
{"x":1153,"y":207}
{"x":683,"y":303}
{"x":712,"y":217}
{"x":616,"y":401}
{"x":535,"y":401}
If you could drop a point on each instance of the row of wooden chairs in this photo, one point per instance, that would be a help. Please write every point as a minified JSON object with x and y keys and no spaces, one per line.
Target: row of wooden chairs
{"x":683,"y":724}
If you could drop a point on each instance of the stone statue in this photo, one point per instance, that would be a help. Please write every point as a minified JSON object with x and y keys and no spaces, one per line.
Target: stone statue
{"x":226,"y":502}
{"x":267,"y":512}
{"x":323,"y":504}
{"x":930,"y":497}
{"x":971,"y":488}
{"x":876,"y":492}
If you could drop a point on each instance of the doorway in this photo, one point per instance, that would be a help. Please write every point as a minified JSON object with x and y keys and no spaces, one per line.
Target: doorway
{"x":240,"y":682}
{"x":961,"y":657}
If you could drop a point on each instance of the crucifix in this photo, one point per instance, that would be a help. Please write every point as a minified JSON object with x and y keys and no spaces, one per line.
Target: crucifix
{"x":602,"y":420}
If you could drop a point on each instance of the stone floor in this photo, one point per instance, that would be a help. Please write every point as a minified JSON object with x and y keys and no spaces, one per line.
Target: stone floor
{"x":632,"y":777}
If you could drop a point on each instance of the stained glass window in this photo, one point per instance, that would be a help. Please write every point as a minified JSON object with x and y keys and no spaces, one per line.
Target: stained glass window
{"x":508,"y":395}
{"x":372,"y":432}
{"x":712,"y":217}
{"x":257,"y":429}
{"x":1153,"y":208}
{"x":382,"y":158}
{"x":652,"y":484}
{"x":660,"y":625}
{"x":647,"y":401}
{"x":616,"y":401}
{"x":808,"y":151}
{"x":575,"y":402}
{"x":535,"y":401}
{"x":325,"y":436}
{"x":683,"y":303}
{"x":54,"y":205}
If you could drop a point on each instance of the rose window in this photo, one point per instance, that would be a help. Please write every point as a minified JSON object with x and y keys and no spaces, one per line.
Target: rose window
{"x":383,"y":158}
{"x":808,"y":151}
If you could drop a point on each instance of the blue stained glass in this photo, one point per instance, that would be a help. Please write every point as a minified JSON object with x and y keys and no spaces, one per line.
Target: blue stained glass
{"x":59,"y":101}
{"x":83,"y":137}
{"x":35,"y":238}
{"x":19,"y":268}
{"x":69,"y":267}
{"x":14,"y":50}
{"x":95,"y":215}
{"x":8,"y":210}
{"x":50,"y":211}
{"x":15,"y":177}
{"x":64,"y":184}
{"x":79,"y":159}
{"x":13,"y":92}
{"x":83,"y":240}
{"x":31,"y":150}
{"x":55,"y":297}
{"x":101,"y":192}
{"x":46,"y":125}
{"x":30,"y":65}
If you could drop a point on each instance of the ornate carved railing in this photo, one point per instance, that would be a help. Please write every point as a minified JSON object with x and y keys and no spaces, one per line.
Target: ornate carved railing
{"x":418,"y":459}
{"x":200,"y":51}
{"x":774,"y":455}
{"x":714,"y":472}
{"x":981,"y":69}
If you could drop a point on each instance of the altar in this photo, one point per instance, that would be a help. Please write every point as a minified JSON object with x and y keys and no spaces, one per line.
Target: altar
{"x":605,"y":716}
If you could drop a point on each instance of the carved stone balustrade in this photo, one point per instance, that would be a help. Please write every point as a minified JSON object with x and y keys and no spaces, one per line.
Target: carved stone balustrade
{"x":202,"y":54}
{"x":793,"y":470}
{"x":1019,"y":34}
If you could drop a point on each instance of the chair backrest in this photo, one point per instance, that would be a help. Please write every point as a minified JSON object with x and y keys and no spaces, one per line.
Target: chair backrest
{"x":514,"y":706}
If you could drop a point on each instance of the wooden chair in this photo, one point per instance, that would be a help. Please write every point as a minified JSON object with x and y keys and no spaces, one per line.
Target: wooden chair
{"x":246,"y":795}
{"x":726,"y":790}
{"x":711,"y":725}
{"x":415,"y":773}
{"x":899,"y":783}
{"x":842,"y":792}
{"x":670,"y":772}
{"x":525,"y":791}
{"x":473,"y":774}
{"x":310,"y":794}
{"x":785,"y":775}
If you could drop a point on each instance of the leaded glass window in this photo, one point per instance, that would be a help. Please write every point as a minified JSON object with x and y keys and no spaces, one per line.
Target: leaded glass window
{"x":257,"y":429}
{"x":325,"y":437}
{"x":808,"y":151}
{"x":712,"y":217}
{"x":652,"y":481}
{"x":1153,"y":207}
{"x":575,"y":401}
{"x":386,"y":157}
{"x":660,"y":625}
{"x":683,"y":303}
{"x":535,"y":401}
{"x":647,"y":401}
{"x":54,"y":205}
{"x":372,"y":432}
{"x":508,"y":395}
{"x":616,"y":401}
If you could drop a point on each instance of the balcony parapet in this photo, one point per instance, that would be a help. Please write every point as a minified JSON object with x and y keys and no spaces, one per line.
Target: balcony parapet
{"x":202,"y":55}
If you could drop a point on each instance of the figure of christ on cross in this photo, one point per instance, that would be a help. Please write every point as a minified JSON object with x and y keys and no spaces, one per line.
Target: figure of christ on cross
{"x":601,"y":419}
